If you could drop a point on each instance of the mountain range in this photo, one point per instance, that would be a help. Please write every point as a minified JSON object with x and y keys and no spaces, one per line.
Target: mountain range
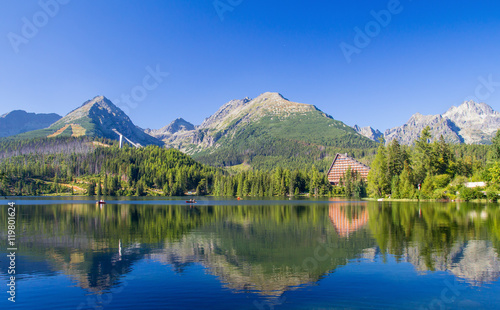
{"x":470,"y":123}
{"x":19,"y":121}
{"x":262,"y":132}
{"x":267,"y":129}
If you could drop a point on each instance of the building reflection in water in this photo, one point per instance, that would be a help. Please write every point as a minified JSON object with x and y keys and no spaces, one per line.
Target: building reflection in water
{"x":348,"y":217}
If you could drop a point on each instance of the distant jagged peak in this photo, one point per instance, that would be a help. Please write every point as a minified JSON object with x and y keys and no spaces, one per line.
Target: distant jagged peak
{"x":471,"y":123}
{"x":177,"y":125}
{"x":180,"y":120}
{"x":471,"y":109}
{"x":369,"y":132}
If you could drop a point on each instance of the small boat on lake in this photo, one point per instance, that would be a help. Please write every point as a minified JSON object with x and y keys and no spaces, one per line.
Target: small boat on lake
{"x":191,"y":201}
{"x":101,"y":202}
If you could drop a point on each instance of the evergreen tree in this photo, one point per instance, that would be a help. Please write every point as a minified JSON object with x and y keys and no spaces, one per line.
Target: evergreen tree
{"x":396,"y":157}
{"x":91,"y":188}
{"x":105,"y":189}
{"x":496,"y":144}
{"x":348,"y":182}
{"x":99,"y":188}
{"x":427,"y":187}
{"x":378,"y":184}
{"x":166,"y":189}
{"x":395,"y":187}
{"x":443,"y":157}
{"x":140,"y":188}
{"x":406,"y":187}
{"x":423,"y":156}
{"x":314,"y":184}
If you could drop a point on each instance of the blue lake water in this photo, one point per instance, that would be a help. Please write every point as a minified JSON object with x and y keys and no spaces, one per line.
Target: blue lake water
{"x":252,"y":254}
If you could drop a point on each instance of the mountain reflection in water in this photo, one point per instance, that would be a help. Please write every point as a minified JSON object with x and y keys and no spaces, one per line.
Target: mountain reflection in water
{"x":262,"y":249}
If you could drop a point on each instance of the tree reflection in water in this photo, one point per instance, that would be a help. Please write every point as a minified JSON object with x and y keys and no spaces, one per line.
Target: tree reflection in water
{"x":261,"y":249}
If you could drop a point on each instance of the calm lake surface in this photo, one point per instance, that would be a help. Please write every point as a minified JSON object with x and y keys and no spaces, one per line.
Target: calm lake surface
{"x":252,"y":254}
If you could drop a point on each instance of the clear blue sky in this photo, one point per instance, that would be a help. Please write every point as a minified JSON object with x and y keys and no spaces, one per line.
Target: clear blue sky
{"x":430,"y":56}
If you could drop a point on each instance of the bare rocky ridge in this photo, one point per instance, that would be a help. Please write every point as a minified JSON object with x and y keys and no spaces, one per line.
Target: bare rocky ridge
{"x":232,"y":107}
{"x":369,"y":132}
{"x":471,"y":123}
{"x":409,"y":132}
{"x":19,"y":121}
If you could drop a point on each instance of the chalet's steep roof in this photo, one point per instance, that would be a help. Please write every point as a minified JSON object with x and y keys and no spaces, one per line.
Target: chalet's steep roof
{"x":345,"y":156}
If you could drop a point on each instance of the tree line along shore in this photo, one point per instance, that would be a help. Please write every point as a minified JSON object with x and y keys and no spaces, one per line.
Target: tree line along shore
{"x":86,"y":166}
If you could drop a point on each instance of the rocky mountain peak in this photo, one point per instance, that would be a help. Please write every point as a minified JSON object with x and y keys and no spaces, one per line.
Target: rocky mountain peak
{"x":266,"y":104}
{"x":470,"y":123}
{"x":101,"y":102}
{"x":97,"y":108}
{"x":178,"y":125}
{"x":369,"y":132}
{"x":270,"y":104}
{"x":230,"y":108}
{"x":470,"y":109}
{"x":97,"y":99}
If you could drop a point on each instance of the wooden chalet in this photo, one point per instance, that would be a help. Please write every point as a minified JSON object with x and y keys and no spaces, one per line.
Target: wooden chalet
{"x":340,"y":165}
